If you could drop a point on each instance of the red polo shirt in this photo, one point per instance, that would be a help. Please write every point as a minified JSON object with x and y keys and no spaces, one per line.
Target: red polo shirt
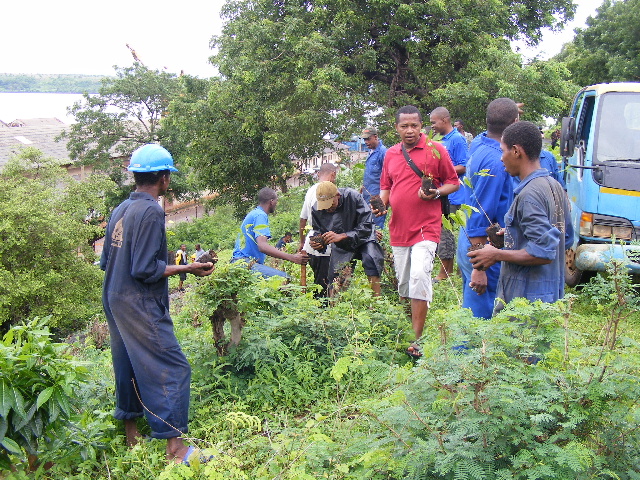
{"x":414,"y":220}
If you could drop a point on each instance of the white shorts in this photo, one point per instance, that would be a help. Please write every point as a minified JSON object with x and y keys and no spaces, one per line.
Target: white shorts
{"x":413,"y":269}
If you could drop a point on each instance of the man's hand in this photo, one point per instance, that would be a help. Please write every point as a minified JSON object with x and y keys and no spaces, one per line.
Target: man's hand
{"x":316,"y":246}
{"x":377,"y":213}
{"x":378,"y":235}
{"x":478,"y":281}
{"x":431,"y":196}
{"x":201,"y":269}
{"x":333,"y":237}
{"x":485,"y":257}
{"x":300,"y":258}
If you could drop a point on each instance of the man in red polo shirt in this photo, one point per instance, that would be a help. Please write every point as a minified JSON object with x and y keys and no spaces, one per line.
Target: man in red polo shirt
{"x":417,"y":215}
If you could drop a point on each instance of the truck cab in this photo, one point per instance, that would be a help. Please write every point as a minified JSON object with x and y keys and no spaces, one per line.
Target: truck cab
{"x":600,"y":146}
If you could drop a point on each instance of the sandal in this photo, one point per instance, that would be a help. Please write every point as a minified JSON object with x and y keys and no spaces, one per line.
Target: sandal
{"x":414,"y":351}
{"x":197,"y":454}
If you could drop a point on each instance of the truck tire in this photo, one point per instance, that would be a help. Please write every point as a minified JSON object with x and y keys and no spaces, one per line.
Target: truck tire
{"x":572,"y":274}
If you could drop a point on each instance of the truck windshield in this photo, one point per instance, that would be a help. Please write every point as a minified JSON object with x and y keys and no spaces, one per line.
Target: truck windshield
{"x":618,"y":129}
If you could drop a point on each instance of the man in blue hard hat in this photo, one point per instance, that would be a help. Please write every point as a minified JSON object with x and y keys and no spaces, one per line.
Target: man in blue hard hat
{"x":151,"y":372}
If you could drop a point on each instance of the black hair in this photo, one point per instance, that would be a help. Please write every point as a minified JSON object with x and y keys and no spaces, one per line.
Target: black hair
{"x":526,"y":135}
{"x":288,"y":234}
{"x":149,"y":178}
{"x":266,"y":194}
{"x":501,"y":113}
{"x":407,"y":110}
{"x":459,"y":121}
{"x":441,"y":112}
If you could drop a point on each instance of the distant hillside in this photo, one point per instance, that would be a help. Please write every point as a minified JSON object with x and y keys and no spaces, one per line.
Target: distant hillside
{"x":41,"y":83}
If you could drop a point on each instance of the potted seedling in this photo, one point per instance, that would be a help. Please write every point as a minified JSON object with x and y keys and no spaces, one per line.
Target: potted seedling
{"x":459,"y":219}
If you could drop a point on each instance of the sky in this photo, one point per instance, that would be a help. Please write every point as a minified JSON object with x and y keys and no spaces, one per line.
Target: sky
{"x":90,"y":37}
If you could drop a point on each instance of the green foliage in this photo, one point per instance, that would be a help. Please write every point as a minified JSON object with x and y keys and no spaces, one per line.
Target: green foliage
{"x":126,"y":114}
{"x":10,"y":82}
{"x":48,"y":223}
{"x":607,"y":49}
{"x":215,"y":230}
{"x":37,"y":382}
{"x":483,"y":410}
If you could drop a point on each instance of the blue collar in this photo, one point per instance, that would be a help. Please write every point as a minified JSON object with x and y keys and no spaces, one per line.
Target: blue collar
{"x":541,"y":172}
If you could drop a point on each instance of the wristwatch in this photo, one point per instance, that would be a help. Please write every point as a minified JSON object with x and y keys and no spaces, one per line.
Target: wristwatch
{"x":437,"y":194}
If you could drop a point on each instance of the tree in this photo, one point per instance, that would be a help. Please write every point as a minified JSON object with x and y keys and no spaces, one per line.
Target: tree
{"x":608,"y":49}
{"x":126,"y":114}
{"x":46,"y":261}
{"x":294,"y":72}
{"x":500,"y":73}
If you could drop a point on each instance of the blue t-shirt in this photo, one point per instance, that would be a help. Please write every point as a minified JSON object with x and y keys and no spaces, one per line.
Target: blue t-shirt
{"x":372,"y":171}
{"x":548,"y":161}
{"x":456,"y":145}
{"x":492,"y":194}
{"x":254,"y":225}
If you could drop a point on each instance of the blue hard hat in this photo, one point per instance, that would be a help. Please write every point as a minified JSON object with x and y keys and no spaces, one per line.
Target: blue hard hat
{"x":151,"y":158}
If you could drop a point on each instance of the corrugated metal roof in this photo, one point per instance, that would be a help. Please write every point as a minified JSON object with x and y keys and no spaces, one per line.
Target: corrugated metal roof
{"x":37,"y":133}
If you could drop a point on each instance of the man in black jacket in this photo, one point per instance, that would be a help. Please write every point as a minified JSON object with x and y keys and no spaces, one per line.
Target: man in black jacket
{"x":343,"y":218}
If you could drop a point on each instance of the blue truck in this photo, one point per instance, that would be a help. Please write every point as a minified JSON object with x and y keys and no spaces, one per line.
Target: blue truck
{"x":600,"y":147}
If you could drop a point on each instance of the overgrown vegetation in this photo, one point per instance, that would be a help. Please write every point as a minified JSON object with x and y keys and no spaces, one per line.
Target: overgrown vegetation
{"x":326,"y":391}
{"x":48,"y":224}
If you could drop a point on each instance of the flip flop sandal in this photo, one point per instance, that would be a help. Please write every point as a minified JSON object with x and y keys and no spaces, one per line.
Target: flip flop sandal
{"x":203,"y":458}
{"x":414,"y":351}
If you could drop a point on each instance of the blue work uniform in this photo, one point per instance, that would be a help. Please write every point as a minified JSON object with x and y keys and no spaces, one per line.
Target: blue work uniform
{"x":371,"y":180}
{"x":135,"y":296}
{"x":492,"y":193}
{"x":537,"y":221}
{"x":254,"y":225}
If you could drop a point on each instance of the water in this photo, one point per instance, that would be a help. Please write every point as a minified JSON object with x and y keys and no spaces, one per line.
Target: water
{"x":37,"y":105}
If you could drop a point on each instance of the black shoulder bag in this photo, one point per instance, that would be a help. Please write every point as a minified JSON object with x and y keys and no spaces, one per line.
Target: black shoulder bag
{"x":444,"y":199}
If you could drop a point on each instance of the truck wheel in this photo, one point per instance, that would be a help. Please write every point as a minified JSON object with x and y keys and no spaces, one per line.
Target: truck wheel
{"x":572,"y":274}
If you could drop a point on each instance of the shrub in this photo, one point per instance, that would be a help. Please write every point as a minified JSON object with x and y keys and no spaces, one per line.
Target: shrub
{"x":37,"y":382}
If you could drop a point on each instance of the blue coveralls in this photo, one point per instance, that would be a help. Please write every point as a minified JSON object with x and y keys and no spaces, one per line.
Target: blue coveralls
{"x":539,"y":222}
{"x":493,"y":192}
{"x":135,"y":296}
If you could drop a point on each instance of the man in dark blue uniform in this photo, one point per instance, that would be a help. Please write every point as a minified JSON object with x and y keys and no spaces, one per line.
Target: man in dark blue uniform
{"x":151,"y":372}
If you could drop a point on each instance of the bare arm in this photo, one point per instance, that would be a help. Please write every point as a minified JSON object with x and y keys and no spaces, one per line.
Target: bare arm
{"x":303,"y":223}
{"x":489,"y":255}
{"x":267,"y":249}
{"x":445,"y":189}
{"x":196,"y":268}
{"x":384,"y":196}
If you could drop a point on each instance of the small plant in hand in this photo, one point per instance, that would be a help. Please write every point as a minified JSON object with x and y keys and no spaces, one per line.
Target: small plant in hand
{"x":376,"y":203}
{"x":459,"y":219}
{"x":427,"y":183}
{"x":497,"y":240}
{"x":317,"y":238}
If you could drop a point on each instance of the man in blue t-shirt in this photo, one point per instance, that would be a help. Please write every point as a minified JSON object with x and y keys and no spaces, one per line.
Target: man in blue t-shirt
{"x":456,"y":145}
{"x":252,"y":244}
{"x":373,"y":169}
{"x":491,"y":194}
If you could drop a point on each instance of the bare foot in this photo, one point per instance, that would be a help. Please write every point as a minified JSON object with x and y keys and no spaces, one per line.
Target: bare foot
{"x":131,"y":432}
{"x":176,"y":449}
